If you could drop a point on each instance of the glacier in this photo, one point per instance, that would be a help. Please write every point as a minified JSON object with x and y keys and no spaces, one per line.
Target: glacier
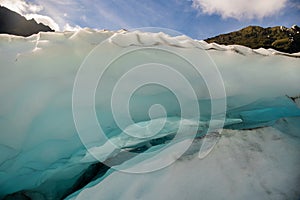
{"x":51,"y":98}
{"x":268,"y":169}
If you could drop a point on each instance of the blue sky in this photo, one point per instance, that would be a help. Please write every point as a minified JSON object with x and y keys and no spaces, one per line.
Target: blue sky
{"x":198,"y":19}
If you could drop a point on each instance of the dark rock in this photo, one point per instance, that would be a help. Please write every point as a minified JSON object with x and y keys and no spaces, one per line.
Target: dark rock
{"x":15,"y":24}
{"x":279,"y":38}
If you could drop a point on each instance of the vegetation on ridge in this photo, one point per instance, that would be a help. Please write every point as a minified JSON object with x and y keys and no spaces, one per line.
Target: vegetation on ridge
{"x":279,"y":38}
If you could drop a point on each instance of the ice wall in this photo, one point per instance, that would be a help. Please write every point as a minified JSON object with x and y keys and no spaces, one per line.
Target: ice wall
{"x":39,"y":145}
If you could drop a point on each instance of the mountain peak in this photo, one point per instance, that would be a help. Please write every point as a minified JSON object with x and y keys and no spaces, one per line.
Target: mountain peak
{"x":15,"y":24}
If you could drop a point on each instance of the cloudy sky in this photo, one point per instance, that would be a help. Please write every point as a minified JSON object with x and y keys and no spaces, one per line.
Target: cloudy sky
{"x":198,"y":19}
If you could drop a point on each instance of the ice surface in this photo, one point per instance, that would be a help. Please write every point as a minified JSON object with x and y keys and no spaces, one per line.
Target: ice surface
{"x":40,"y":148}
{"x":262,"y":163}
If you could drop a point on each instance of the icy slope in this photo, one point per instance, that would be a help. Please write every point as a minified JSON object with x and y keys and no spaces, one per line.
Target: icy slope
{"x":41,"y":150}
{"x":260,"y":164}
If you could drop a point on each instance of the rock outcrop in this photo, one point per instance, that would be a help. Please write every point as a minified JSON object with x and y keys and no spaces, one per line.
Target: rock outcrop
{"x":15,"y":24}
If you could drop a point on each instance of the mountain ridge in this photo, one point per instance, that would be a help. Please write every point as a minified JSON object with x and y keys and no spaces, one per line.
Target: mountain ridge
{"x":279,"y":38}
{"x":15,"y":24}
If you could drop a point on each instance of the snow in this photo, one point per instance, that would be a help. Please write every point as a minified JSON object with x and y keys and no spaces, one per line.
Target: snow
{"x":42,"y":152}
{"x":245,"y":164}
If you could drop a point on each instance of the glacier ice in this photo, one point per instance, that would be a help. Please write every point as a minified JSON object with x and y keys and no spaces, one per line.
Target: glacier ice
{"x":40,"y":148}
{"x":262,"y":163}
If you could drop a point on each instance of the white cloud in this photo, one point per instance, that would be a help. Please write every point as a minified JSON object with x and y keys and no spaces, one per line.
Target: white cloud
{"x":240,"y":9}
{"x":68,"y":27}
{"x":30,"y":11}
{"x":44,"y":20}
{"x":21,"y":6}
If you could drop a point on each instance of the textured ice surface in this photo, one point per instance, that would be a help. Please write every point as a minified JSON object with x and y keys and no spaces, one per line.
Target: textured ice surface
{"x":245,"y":164}
{"x":39,"y":145}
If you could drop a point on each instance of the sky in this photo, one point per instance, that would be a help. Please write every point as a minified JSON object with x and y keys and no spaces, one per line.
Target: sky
{"x":198,"y":19}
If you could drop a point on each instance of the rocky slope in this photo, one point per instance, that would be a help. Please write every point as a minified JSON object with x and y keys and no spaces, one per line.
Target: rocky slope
{"x":13,"y":23}
{"x":279,"y":38}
